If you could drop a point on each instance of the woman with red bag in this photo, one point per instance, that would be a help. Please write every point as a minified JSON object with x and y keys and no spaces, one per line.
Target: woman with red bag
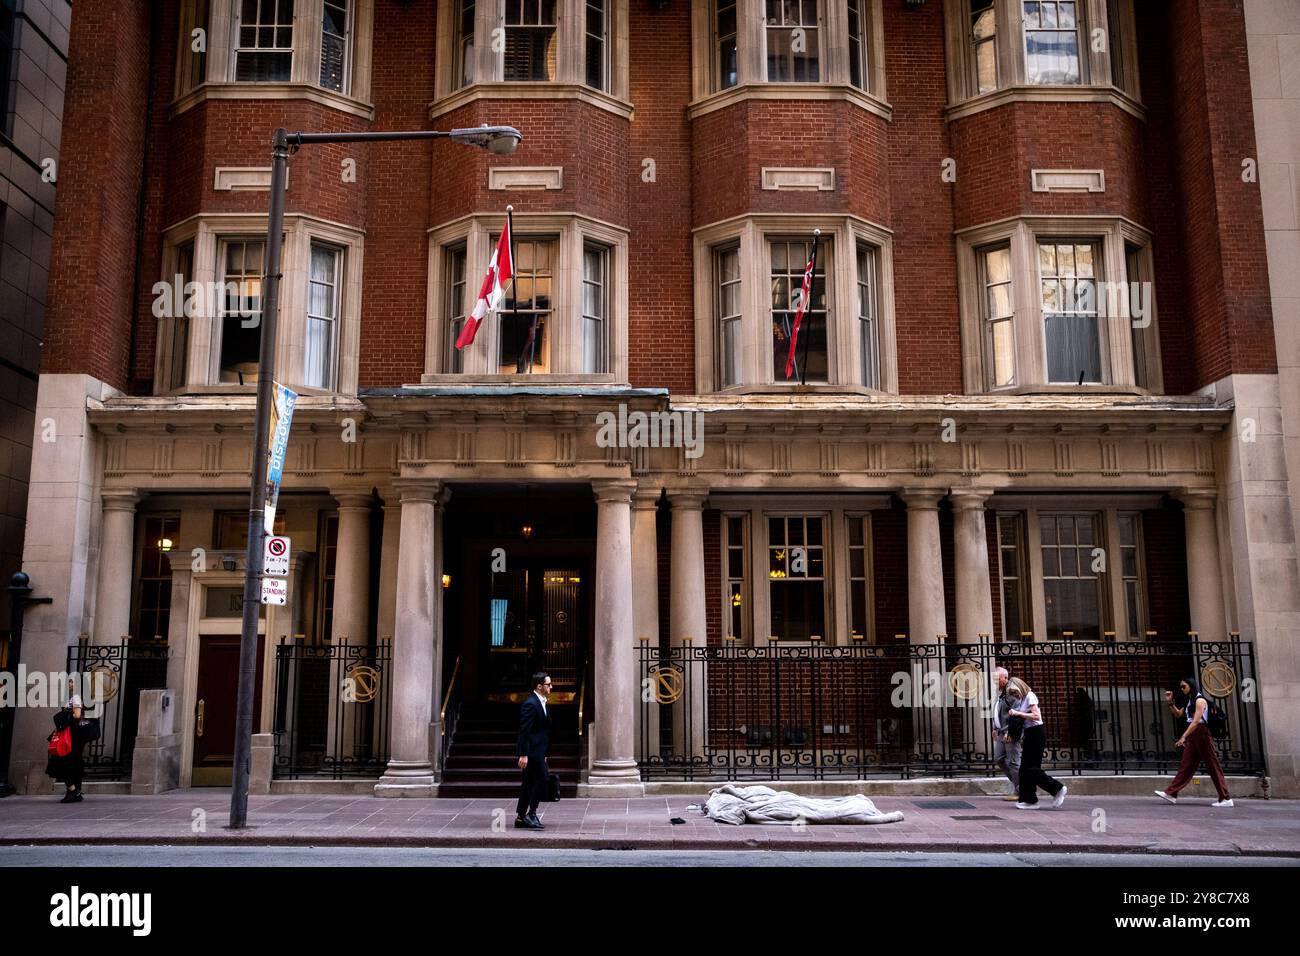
{"x":73,"y":730}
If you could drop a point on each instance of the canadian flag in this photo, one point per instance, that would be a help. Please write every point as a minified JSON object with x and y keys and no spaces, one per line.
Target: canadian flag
{"x":493,"y":292}
{"x":805,"y":297}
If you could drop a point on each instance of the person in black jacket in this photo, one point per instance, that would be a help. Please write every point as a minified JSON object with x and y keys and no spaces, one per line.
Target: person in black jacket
{"x":70,"y":769}
{"x":534,"y":741}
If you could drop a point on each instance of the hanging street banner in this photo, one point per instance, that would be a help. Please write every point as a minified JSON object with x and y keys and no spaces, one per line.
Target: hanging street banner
{"x":281,"y":418}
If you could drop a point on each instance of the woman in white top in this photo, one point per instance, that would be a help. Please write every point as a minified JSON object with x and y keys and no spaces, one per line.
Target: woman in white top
{"x":1024,"y":704}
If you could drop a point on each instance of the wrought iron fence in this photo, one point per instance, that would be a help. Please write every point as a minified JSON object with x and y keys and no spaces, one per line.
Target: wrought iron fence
{"x":333,"y":710}
{"x":810,"y":711}
{"x":118,"y":672}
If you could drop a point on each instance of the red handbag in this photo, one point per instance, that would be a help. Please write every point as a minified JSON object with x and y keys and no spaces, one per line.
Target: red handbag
{"x":61,"y":742}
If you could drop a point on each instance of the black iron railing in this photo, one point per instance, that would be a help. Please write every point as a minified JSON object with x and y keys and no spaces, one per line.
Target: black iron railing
{"x":333,"y":709}
{"x":115,"y":673}
{"x":810,"y":711}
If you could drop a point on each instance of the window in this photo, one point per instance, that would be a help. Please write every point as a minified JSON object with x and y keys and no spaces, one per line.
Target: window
{"x":735,"y":572}
{"x":464,"y":74}
{"x":598,"y":44}
{"x":793,"y":52}
{"x":193,"y":64}
{"x":724,"y":44}
{"x":1130,"y":549}
{"x":530,"y":40}
{"x":868,"y":325}
{"x":1052,"y":42}
{"x":455,"y":308}
{"x":1071,"y":588}
{"x":789,"y":261}
{"x":859,"y":544}
{"x":595,"y":307}
{"x":858,"y":43}
{"x":334,"y":45}
{"x":730,"y":326}
{"x":983,"y":38}
{"x":525,"y":342}
{"x":240,"y":322}
{"x":177,"y":346}
{"x":329,"y":553}
{"x":1145,"y":349}
{"x":323,"y":300}
{"x":797,"y":577}
{"x":232,"y":529}
{"x":7,"y":73}
{"x":997,"y":313}
{"x":154,"y":583}
{"x":1011,"y":573}
{"x":1068,"y":276}
{"x":264,"y":48}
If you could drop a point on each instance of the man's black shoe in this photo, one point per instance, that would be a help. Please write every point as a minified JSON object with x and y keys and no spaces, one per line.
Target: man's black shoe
{"x":537,"y":821}
{"x":527,"y":824}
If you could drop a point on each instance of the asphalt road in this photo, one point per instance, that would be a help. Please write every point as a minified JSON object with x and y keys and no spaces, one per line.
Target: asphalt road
{"x":115,"y":856}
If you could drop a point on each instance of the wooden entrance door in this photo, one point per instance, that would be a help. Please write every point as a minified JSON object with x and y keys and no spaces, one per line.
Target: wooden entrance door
{"x":216,"y":706}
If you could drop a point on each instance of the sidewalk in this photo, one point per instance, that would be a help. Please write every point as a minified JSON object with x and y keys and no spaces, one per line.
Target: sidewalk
{"x":951,"y":824}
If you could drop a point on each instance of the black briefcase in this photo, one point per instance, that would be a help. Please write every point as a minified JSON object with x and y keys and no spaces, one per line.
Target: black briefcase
{"x":553,"y":789}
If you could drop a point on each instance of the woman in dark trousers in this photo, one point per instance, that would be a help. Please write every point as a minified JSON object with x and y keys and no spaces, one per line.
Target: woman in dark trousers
{"x":70,"y":769}
{"x":1024,"y":703}
{"x":1196,"y":743}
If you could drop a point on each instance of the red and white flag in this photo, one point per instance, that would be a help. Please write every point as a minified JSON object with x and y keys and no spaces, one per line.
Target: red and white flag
{"x":805,"y":296}
{"x":492,"y":295}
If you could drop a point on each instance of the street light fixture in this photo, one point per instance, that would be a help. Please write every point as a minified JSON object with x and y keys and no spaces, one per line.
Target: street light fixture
{"x":499,"y":140}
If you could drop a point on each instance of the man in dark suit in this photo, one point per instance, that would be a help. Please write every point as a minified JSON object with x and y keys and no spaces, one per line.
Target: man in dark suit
{"x":534,"y":741}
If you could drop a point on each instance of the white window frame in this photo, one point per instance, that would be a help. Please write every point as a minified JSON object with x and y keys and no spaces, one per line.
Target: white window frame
{"x":834,"y":75}
{"x":1081,"y":36}
{"x":1097,"y":83}
{"x":574,"y":232}
{"x":456,"y":83}
{"x":237,"y":47}
{"x":1107,"y":508}
{"x":206,"y":231}
{"x":818,"y":27}
{"x":304,"y":82}
{"x":752,"y":233}
{"x":349,"y":33}
{"x":340,"y":272}
{"x":1023,"y":234}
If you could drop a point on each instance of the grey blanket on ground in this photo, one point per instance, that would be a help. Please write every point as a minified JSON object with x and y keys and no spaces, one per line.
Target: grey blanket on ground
{"x":732,"y":804}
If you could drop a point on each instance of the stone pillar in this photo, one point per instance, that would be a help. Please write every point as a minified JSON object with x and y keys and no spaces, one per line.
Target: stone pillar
{"x":688,"y":621}
{"x":351,"y":621}
{"x":410,"y":767}
{"x":926,"y":615}
{"x":1204,"y":578}
{"x":435,"y":724}
{"x":926,"y":610}
{"x":613,"y":768}
{"x":971,"y":554}
{"x":116,"y":561}
{"x":645,"y":612}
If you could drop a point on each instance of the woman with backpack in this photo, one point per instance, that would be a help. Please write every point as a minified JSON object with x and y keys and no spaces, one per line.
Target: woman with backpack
{"x":72,"y":731}
{"x":1025,"y":713}
{"x":1196,"y":743}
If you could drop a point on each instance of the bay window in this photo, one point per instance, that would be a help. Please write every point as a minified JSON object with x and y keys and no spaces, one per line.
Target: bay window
{"x":749,"y":276}
{"x":564,"y":317}
{"x":1055,"y":303}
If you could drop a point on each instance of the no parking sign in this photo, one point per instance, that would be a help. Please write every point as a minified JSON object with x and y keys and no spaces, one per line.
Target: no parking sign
{"x":275,"y":557}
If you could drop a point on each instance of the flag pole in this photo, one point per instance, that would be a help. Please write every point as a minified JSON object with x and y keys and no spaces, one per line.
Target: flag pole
{"x":812,"y":284}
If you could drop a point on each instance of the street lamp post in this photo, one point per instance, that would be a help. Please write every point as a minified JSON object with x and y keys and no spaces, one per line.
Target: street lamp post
{"x":500,"y":140}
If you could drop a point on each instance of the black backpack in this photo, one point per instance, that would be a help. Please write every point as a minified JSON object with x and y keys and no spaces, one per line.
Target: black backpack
{"x":1215,"y":719}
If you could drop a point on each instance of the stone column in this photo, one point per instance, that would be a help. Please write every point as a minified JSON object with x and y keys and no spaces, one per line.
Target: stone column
{"x":688,"y":620}
{"x":971,"y":554}
{"x":351,"y":620}
{"x":116,"y":561}
{"x":439,"y":561}
{"x":613,"y":769}
{"x":410,"y":767}
{"x":926,"y":615}
{"x":926,"y":610}
{"x":1204,"y":579}
{"x":645,"y":612}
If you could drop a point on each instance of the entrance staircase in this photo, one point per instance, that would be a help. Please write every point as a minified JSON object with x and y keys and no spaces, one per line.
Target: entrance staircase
{"x":482,"y":762}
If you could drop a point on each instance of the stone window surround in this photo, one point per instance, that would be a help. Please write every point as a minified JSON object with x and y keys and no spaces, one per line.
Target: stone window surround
{"x":839,"y":233}
{"x":300,"y":230}
{"x":1112,"y":234}
{"x":1095,"y":66}
{"x":1109,"y":508}
{"x":751,"y":60}
{"x":573,"y":231}
{"x":305,"y":76}
{"x":570,"y":60}
{"x":838,"y":511}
